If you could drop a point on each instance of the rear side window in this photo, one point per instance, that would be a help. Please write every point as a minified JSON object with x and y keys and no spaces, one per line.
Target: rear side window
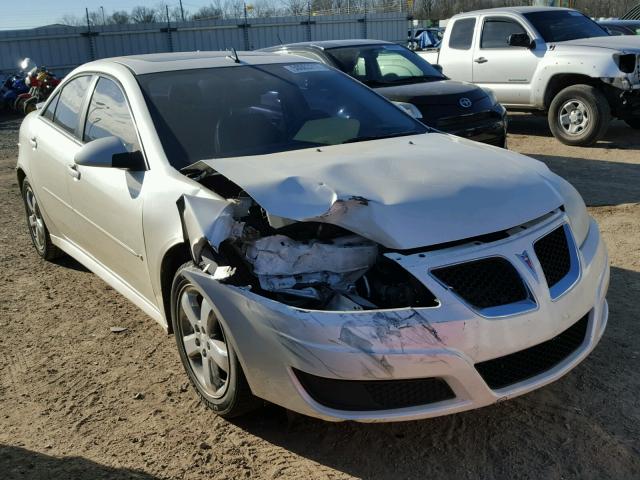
{"x":51,"y":108}
{"x":109,"y":116}
{"x":67,"y":111}
{"x":496,"y":32}
{"x":462,"y":34}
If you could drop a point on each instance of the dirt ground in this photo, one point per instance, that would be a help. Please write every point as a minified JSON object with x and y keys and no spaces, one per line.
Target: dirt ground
{"x":80,"y":402}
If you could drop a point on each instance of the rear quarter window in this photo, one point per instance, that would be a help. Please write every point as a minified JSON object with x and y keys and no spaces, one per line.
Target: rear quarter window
{"x":462,"y":34}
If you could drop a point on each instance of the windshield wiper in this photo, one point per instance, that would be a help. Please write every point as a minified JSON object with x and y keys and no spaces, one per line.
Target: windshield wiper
{"x":379,"y":137}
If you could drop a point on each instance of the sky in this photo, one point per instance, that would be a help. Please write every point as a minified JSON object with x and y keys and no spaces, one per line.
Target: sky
{"x":33,"y":13}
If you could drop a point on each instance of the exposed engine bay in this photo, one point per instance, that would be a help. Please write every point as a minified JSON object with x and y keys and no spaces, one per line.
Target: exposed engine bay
{"x":309,"y":264}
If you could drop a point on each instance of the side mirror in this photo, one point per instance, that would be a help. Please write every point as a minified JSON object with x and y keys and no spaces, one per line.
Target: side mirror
{"x":109,"y":152}
{"x":437,"y":67}
{"x":520,"y":40}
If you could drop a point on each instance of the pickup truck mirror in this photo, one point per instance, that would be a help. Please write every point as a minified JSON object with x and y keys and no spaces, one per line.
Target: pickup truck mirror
{"x":521,"y":40}
{"x":109,"y":152}
{"x":437,"y":67}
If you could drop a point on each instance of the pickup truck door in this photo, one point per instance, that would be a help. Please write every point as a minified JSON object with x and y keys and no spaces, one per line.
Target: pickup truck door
{"x":108,"y":201}
{"x":506,"y":70}
{"x":458,"y":51}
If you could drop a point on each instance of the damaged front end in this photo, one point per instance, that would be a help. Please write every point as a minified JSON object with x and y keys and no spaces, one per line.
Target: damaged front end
{"x":305,"y":264}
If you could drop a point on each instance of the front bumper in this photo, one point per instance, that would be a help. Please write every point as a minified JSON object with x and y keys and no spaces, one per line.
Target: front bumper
{"x":273,"y":339}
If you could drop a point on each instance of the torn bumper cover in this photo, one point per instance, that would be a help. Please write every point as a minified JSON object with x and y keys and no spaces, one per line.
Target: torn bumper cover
{"x":301,"y":359}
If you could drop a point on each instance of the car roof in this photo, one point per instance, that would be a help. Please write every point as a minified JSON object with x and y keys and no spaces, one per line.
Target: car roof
{"x":520,"y":10}
{"x":162,"y":62}
{"x":327,"y":44}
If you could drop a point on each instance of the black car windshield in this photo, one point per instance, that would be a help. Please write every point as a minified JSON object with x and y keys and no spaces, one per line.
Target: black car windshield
{"x":563,"y":25}
{"x":383,"y":64}
{"x":261,"y":109}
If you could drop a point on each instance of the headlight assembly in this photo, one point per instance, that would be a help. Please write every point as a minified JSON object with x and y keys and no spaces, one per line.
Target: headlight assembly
{"x":410,"y":108}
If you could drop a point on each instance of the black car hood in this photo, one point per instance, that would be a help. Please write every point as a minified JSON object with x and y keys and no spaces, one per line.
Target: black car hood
{"x":441,"y":92}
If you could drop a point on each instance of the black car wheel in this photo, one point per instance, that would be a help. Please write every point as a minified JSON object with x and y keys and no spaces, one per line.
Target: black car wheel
{"x":579,"y":115}
{"x":207,"y":356}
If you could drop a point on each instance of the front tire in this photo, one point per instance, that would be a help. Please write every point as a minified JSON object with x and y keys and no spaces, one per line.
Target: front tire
{"x":579,"y":115}
{"x":37,"y":228}
{"x":633,"y":123}
{"x":206,"y":354}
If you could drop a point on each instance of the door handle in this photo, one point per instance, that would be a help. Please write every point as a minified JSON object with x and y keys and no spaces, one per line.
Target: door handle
{"x":481,"y":60}
{"x":72,"y":169}
{"x":34,"y":142}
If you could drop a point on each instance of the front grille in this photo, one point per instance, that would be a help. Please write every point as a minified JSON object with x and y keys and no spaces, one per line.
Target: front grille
{"x":371,"y":395}
{"x":552,"y":251}
{"x":485,"y":283}
{"x":519,"y":366}
{"x":465,"y":122}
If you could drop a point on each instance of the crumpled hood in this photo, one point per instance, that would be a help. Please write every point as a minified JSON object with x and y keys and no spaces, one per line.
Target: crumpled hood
{"x":403,"y":192}
{"x":623,"y":43}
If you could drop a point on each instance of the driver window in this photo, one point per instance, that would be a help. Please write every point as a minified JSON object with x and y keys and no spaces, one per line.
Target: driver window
{"x":109,"y":115}
{"x":496,"y":32}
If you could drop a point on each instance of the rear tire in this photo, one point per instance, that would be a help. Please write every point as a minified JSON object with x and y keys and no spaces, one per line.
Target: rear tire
{"x":37,"y":228}
{"x":579,"y":115}
{"x":208,"y":357}
{"x":633,"y":123}
{"x":30,"y":106}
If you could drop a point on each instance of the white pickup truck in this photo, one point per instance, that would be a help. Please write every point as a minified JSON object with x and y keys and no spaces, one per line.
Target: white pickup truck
{"x":555,"y":60}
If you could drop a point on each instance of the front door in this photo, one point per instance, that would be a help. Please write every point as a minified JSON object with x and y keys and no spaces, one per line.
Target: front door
{"x":508,"y":71}
{"x":108,"y":201}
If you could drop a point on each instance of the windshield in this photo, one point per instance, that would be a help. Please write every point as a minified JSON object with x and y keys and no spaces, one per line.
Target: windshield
{"x":563,"y":25}
{"x":254,"y":110}
{"x":383,"y":65}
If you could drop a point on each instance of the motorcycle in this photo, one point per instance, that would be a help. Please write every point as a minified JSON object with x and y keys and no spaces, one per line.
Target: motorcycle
{"x":12,"y":86}
{"x":41,"y":83}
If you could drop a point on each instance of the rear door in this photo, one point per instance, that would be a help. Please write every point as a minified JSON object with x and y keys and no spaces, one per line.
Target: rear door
{"x":108,"y":201}
{"x":508,"y":71}
{"x":457,"y":59}
{"x":54,"y":144}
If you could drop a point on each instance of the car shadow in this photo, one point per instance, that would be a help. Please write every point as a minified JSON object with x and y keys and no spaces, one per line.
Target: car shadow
{"x":619,"y":135}
{"x":18,"y":463}
{"x":600,"y":182}
{"x":71,"y":263}
{"x":543,"y":434}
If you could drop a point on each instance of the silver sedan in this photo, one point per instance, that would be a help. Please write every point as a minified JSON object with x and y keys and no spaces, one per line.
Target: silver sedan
{"x":308,"y":242}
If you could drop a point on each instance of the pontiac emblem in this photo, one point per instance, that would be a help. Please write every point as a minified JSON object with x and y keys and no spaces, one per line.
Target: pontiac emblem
{"x":526,"y":259}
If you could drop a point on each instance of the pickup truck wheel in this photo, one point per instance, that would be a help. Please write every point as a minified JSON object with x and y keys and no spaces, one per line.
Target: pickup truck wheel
{"x":633,"y":123}
{"x":579,"y":115}
{"x":207,"y":356}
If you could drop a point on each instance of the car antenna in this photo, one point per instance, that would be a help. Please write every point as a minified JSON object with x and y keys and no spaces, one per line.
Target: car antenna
{"x":234,"y":55}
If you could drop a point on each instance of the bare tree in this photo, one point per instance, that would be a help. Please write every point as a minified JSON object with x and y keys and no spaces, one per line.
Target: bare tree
{"x":120,"y":17}
{"x":143,"y":15}
{"x":209,"y":11}
{"x":296,"y":7}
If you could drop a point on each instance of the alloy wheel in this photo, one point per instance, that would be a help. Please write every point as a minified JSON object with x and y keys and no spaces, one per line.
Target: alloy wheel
{"x":204,"y":342}
{"x":36,"y":223}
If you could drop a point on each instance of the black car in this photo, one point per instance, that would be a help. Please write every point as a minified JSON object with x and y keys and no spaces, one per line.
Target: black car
{"x":413,"y":84}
